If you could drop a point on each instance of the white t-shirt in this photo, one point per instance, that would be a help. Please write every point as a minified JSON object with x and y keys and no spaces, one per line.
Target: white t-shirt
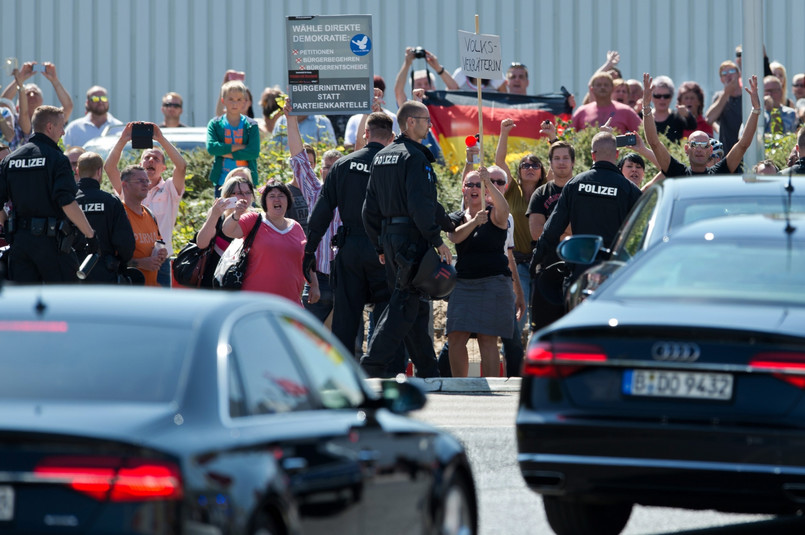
{"x":163,"y":201}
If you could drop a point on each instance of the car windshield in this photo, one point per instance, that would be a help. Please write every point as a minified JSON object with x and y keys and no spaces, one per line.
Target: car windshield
{"x":80,"y":361}
{"x":741,"y":271}
{"x":687,"y":211}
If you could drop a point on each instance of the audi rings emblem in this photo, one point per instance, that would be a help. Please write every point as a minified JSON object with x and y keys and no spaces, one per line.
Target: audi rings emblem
{"x":675,"y":351}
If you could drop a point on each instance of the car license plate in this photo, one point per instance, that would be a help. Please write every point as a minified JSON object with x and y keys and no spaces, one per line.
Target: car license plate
{"x":677,"y":384}
{"x":6,"y":503}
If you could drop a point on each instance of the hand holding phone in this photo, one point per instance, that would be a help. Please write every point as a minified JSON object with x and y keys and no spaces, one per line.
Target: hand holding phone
{"x":229,"y":203}
{"x":142,"y":136}
{"x":626,"y":140}
{"x":39,"y":67}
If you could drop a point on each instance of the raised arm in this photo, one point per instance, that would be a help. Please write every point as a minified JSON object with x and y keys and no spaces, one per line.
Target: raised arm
{"x":399,"y":81}
{"x":663,"y":157}
{"x":738,"y":150}
{"x":446,"y":77}
{"x":24,"y":119}
{"x":502,"y":149}
{"x":114,"y":158}
{"x":63,"y":96}
{"x":179,"y":163}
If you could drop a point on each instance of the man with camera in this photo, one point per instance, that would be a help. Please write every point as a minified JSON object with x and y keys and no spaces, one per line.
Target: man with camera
{"x":108,"y":217}
{"x":163,"y":196}
{"x":420,"y":79}
{"x":38,"y":181}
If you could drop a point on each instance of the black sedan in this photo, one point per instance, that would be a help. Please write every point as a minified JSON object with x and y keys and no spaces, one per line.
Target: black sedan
{"x":134,"y":411}
{"x":680,"y":382}
{"x":675,"y":202}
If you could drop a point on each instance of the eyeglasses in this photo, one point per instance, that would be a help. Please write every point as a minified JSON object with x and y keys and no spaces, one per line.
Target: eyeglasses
{"x":499,"y":181}
{"x":470,"y":185}
{"x":240,"y":192}
{"x":662,"y":96}
{"x":171,"y":105}
{"x":725,"y":72}
{"x":699,"y":144}
{"x":102,"y":98}
{"x":425,"y":118}
{"x":530,"y":166}
{"x":137,"y":180}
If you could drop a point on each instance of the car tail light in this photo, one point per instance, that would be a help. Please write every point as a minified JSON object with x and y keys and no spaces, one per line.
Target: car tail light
{"x":113,"y":479}
{"x":787,"y":366}
{"x":545,"y":359}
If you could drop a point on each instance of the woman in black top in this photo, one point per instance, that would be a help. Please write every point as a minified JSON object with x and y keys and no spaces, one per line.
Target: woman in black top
{"x":238,"y":185}
{"x":669,"y":122}
{"x":483,"y":300}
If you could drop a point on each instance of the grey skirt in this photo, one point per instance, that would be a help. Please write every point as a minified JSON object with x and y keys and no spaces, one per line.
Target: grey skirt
{"x":483,"y":306}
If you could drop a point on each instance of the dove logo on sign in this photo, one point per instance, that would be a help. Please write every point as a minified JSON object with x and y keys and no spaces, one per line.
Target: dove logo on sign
{"x":360,"y":44}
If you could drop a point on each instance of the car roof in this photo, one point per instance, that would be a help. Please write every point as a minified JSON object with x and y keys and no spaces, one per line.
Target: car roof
{"x":180,"y":308}
{"x":723,"y":185}
{"x":183,"y":139}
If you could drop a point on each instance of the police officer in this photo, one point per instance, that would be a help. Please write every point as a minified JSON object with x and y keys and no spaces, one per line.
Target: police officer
{"x":107,"y":216}
{"x":38,"y":180}
{"x":358,"y":277}
{"x":594,"y":202}
{"x":403,"y":219}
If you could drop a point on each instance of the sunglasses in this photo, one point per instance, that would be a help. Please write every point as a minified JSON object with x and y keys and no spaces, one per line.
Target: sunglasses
{"x":470,"y":185}
{"x":171,"y":105}
{"x":99,"y":99}
{"x":499,"y":181}
{"x":799,"y":85}
{"x":699,"y":144}
{"x":728,"y":71}
{"x":530,"y":166}
{"x":661,"y":96}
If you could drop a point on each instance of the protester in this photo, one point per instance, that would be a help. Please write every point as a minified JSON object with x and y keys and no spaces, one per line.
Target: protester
{"x":94,"y":122}
{"x":483,"y":299}
{"x":275,"y":258}
{"x":150,"y":252}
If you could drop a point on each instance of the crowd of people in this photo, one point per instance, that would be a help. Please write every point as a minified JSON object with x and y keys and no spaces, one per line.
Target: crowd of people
{"x":354,"y":234}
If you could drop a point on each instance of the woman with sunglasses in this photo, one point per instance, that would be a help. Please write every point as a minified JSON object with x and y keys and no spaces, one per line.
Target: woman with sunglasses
{"x":483,"y":299}
{"x":669,"y":122}
{"x":238,"y":185}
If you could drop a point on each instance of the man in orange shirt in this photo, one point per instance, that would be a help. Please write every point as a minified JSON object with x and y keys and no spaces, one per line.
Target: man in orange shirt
{"x":146,"y":231}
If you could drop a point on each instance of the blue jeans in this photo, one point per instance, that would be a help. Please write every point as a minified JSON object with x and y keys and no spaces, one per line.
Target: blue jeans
{"x":525,"y":282}
{"x":164,"y":274}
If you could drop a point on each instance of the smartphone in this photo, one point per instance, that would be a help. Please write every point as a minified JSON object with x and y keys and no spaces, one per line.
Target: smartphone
{"x":626,"y":140}
{"x":142,"y":136}
{"x":39,"y":67}
{"x":230,"y":202}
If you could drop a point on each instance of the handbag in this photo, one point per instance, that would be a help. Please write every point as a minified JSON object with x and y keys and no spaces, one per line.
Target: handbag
{"x":190,"y":264}
{"x":231,"y":269}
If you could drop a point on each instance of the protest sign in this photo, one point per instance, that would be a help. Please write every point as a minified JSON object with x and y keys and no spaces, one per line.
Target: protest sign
{"x":480,"y":55}
{"x":330,"y":63}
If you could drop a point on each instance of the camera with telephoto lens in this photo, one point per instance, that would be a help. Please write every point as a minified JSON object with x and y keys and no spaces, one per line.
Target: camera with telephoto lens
{"x":419,"y":52}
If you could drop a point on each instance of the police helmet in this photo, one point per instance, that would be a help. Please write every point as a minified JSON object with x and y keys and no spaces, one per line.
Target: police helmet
{"x":434,"y":277}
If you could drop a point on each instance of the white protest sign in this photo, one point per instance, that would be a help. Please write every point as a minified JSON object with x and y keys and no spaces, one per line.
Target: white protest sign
{"x":480,"y":55}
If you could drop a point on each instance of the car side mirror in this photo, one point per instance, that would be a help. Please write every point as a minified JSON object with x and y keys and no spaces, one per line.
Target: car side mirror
{"x":580,"y":248}
{"x":401,"y":397}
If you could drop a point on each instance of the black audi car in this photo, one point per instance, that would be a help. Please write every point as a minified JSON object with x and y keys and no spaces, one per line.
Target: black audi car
{"x":137,"y":411}
{"x":680,"y":382}
{"x":675,"y":202}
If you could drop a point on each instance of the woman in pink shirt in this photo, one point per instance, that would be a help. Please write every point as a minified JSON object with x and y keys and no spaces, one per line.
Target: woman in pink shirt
{"x":275,"y":259}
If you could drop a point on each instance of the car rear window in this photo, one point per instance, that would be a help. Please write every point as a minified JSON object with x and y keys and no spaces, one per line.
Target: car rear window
{"x":740,"y":271}
{"x":688,"y":211}
{"x":70,"y":361}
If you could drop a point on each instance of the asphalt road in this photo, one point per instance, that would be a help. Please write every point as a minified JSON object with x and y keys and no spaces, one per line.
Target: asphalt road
{"x":485,"y":424}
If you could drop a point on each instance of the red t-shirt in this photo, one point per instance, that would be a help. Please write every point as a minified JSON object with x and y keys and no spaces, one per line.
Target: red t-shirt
{"x":275,"y":259}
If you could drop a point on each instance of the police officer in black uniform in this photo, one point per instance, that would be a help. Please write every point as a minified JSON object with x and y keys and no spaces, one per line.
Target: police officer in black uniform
{"x":107,"y":216}
{"x":358,"y":277}
{"x":594,"y":202}
{"x":38,"y":180}
{"x":403,"y":219}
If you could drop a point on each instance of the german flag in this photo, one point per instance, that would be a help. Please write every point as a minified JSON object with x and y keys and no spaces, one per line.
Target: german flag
{"x":454,"y":116}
